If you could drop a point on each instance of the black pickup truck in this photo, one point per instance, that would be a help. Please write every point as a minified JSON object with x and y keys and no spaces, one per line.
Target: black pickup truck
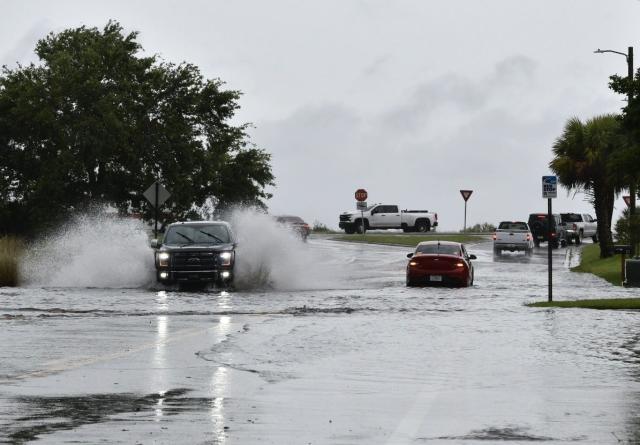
{"x":196,"y":252}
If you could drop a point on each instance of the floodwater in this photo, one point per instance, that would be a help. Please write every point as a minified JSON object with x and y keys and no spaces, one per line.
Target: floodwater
{"x":339,"y":352}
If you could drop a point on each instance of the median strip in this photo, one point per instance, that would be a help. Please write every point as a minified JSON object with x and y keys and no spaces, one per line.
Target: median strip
{"x":409,"y":240}
{"x":608,"y":303}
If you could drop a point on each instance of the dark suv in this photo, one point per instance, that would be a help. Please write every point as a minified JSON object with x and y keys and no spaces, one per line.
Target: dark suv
{"x":196,"y":252}
{"x":538,"y":222}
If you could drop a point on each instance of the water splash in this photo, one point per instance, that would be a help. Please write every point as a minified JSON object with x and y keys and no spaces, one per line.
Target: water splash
{"x":98,"y":249}
{"x":270,"y":255}
{"x":103,"y":250}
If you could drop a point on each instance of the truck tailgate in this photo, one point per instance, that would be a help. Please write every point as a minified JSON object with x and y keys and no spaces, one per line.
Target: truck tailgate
{"x":511,"y":236}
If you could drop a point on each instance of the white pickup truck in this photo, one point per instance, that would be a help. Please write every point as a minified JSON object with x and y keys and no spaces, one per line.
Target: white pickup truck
{"x":383,"y":216}
{"x":579,"y":226}
{"x":513,"y":236}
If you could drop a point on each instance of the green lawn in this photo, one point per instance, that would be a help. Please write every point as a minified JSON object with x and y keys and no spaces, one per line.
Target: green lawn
{"x":399,"y":239}
{"x":610,"y":303}
{"x":608,"y":268}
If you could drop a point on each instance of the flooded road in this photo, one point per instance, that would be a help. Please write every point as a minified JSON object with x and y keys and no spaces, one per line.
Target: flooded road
{"x":343,"y":353}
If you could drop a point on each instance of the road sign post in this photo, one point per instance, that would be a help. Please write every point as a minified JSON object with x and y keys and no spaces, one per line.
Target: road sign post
{"x":361,"y":196}
{"x":549,"y":191}
{"x":156,"y":194}
{"x":466,"y":194}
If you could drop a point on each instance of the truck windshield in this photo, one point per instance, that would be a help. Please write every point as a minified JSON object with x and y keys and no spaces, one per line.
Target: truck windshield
{"x":571,"y":217}
{"x":200,"y":234}
{"x":444,"y":249}
{"x":508,"y":225}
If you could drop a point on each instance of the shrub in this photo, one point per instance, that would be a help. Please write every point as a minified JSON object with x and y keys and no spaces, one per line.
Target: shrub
{"x":318,"y":227}
{"x":480,"y":228}
{"x":10,"y":251}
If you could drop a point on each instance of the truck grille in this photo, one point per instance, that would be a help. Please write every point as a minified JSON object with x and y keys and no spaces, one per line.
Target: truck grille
{"x":344,"y":218}
{"x":194,"y":261}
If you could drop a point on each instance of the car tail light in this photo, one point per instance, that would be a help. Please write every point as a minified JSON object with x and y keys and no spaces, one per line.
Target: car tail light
{"x":495,"y":236}
{"x":575,"y":227}
{"x":553,"y":234}
{"x":528,"y":237}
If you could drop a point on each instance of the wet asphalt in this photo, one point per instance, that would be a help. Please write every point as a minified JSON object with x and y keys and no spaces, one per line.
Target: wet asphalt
{"x":343,"y":353}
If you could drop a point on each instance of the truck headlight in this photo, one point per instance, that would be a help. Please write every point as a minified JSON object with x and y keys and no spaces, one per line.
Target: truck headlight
{"x":163,"y":259}
{"x":225,"y":259}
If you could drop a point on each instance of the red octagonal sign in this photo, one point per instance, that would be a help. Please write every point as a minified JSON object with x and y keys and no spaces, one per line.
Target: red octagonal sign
{"x":361,"y":195}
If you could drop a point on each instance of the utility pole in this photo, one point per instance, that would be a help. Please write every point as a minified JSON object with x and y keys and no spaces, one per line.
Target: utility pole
{"x":632,"y":185}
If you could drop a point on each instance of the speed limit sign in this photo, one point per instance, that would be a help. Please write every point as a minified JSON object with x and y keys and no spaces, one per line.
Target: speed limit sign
{"x":361,"y":195}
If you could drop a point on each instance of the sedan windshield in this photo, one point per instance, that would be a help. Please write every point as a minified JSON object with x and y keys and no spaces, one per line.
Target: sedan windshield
{"x":445,"y":249}
{"x":200,"y":234}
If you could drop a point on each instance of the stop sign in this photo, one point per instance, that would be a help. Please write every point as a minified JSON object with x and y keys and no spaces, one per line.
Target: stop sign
{"x":361,"y":195}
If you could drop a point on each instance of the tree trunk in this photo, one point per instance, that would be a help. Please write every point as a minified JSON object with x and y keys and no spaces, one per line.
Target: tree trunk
{"x":603,"y":203}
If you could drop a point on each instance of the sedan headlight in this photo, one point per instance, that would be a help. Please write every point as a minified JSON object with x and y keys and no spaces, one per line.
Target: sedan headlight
{"x":225,"y":258}
{"x":163,"y":259}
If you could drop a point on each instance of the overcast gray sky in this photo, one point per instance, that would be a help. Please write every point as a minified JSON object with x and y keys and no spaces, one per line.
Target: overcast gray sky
{"x":412,"y":100}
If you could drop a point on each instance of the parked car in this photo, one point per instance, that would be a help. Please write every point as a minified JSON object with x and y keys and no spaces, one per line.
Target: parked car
{"x":296,"y":224}
{"x":579,"y":226}
{"x":513,"y":236}
{"x":196,"y":252}
{"x":384,"y":216}
{"x":539,"y":225}
{"x":440,"y":262}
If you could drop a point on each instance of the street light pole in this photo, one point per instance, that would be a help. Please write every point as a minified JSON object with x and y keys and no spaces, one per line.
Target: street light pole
{"x":632,"y":185}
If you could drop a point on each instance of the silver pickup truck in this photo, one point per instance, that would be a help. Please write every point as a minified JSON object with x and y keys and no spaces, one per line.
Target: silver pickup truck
{"x":579,"y":226}
{"x":513,"y":236}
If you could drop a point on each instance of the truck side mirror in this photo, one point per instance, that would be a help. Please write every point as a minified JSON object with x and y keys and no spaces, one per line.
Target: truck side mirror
{"x":409,"y":255}
{"x":155,"y":243}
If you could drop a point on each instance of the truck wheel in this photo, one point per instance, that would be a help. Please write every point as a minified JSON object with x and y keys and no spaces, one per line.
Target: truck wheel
{"x":423,"y":226}
{"x":349,"y":230}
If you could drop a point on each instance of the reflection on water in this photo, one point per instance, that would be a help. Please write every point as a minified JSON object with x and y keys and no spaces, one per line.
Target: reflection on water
{"x":224,"y":301}
{"x":220,"y":381}
{"x":160,"y":359}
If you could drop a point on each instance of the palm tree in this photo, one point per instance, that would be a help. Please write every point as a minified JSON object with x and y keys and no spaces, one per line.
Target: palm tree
{"x":582,"y":160}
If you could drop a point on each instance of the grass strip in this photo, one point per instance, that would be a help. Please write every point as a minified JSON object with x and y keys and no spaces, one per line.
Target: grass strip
{"x":407,"y":240}
{"x":608,"y":303}
{"x":607,"y":268}
{"x":10,"y":251}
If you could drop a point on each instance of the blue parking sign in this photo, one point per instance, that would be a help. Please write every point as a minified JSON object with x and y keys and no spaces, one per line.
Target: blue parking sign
{"x":549,"y":186}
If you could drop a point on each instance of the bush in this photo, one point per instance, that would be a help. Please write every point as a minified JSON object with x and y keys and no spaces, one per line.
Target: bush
{"x":480,"y":228}
{"x":318,"y":227}
{"x":622,"y":228}
{"x":10,"y":251}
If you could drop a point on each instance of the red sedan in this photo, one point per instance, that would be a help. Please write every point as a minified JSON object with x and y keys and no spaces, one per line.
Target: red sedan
{"x":440,"y":262}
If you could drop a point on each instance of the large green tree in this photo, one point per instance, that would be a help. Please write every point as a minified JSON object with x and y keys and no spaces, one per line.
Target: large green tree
{"x":96,"y":121}
{"x":583,"y":161}
{"x":627,"y":160}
